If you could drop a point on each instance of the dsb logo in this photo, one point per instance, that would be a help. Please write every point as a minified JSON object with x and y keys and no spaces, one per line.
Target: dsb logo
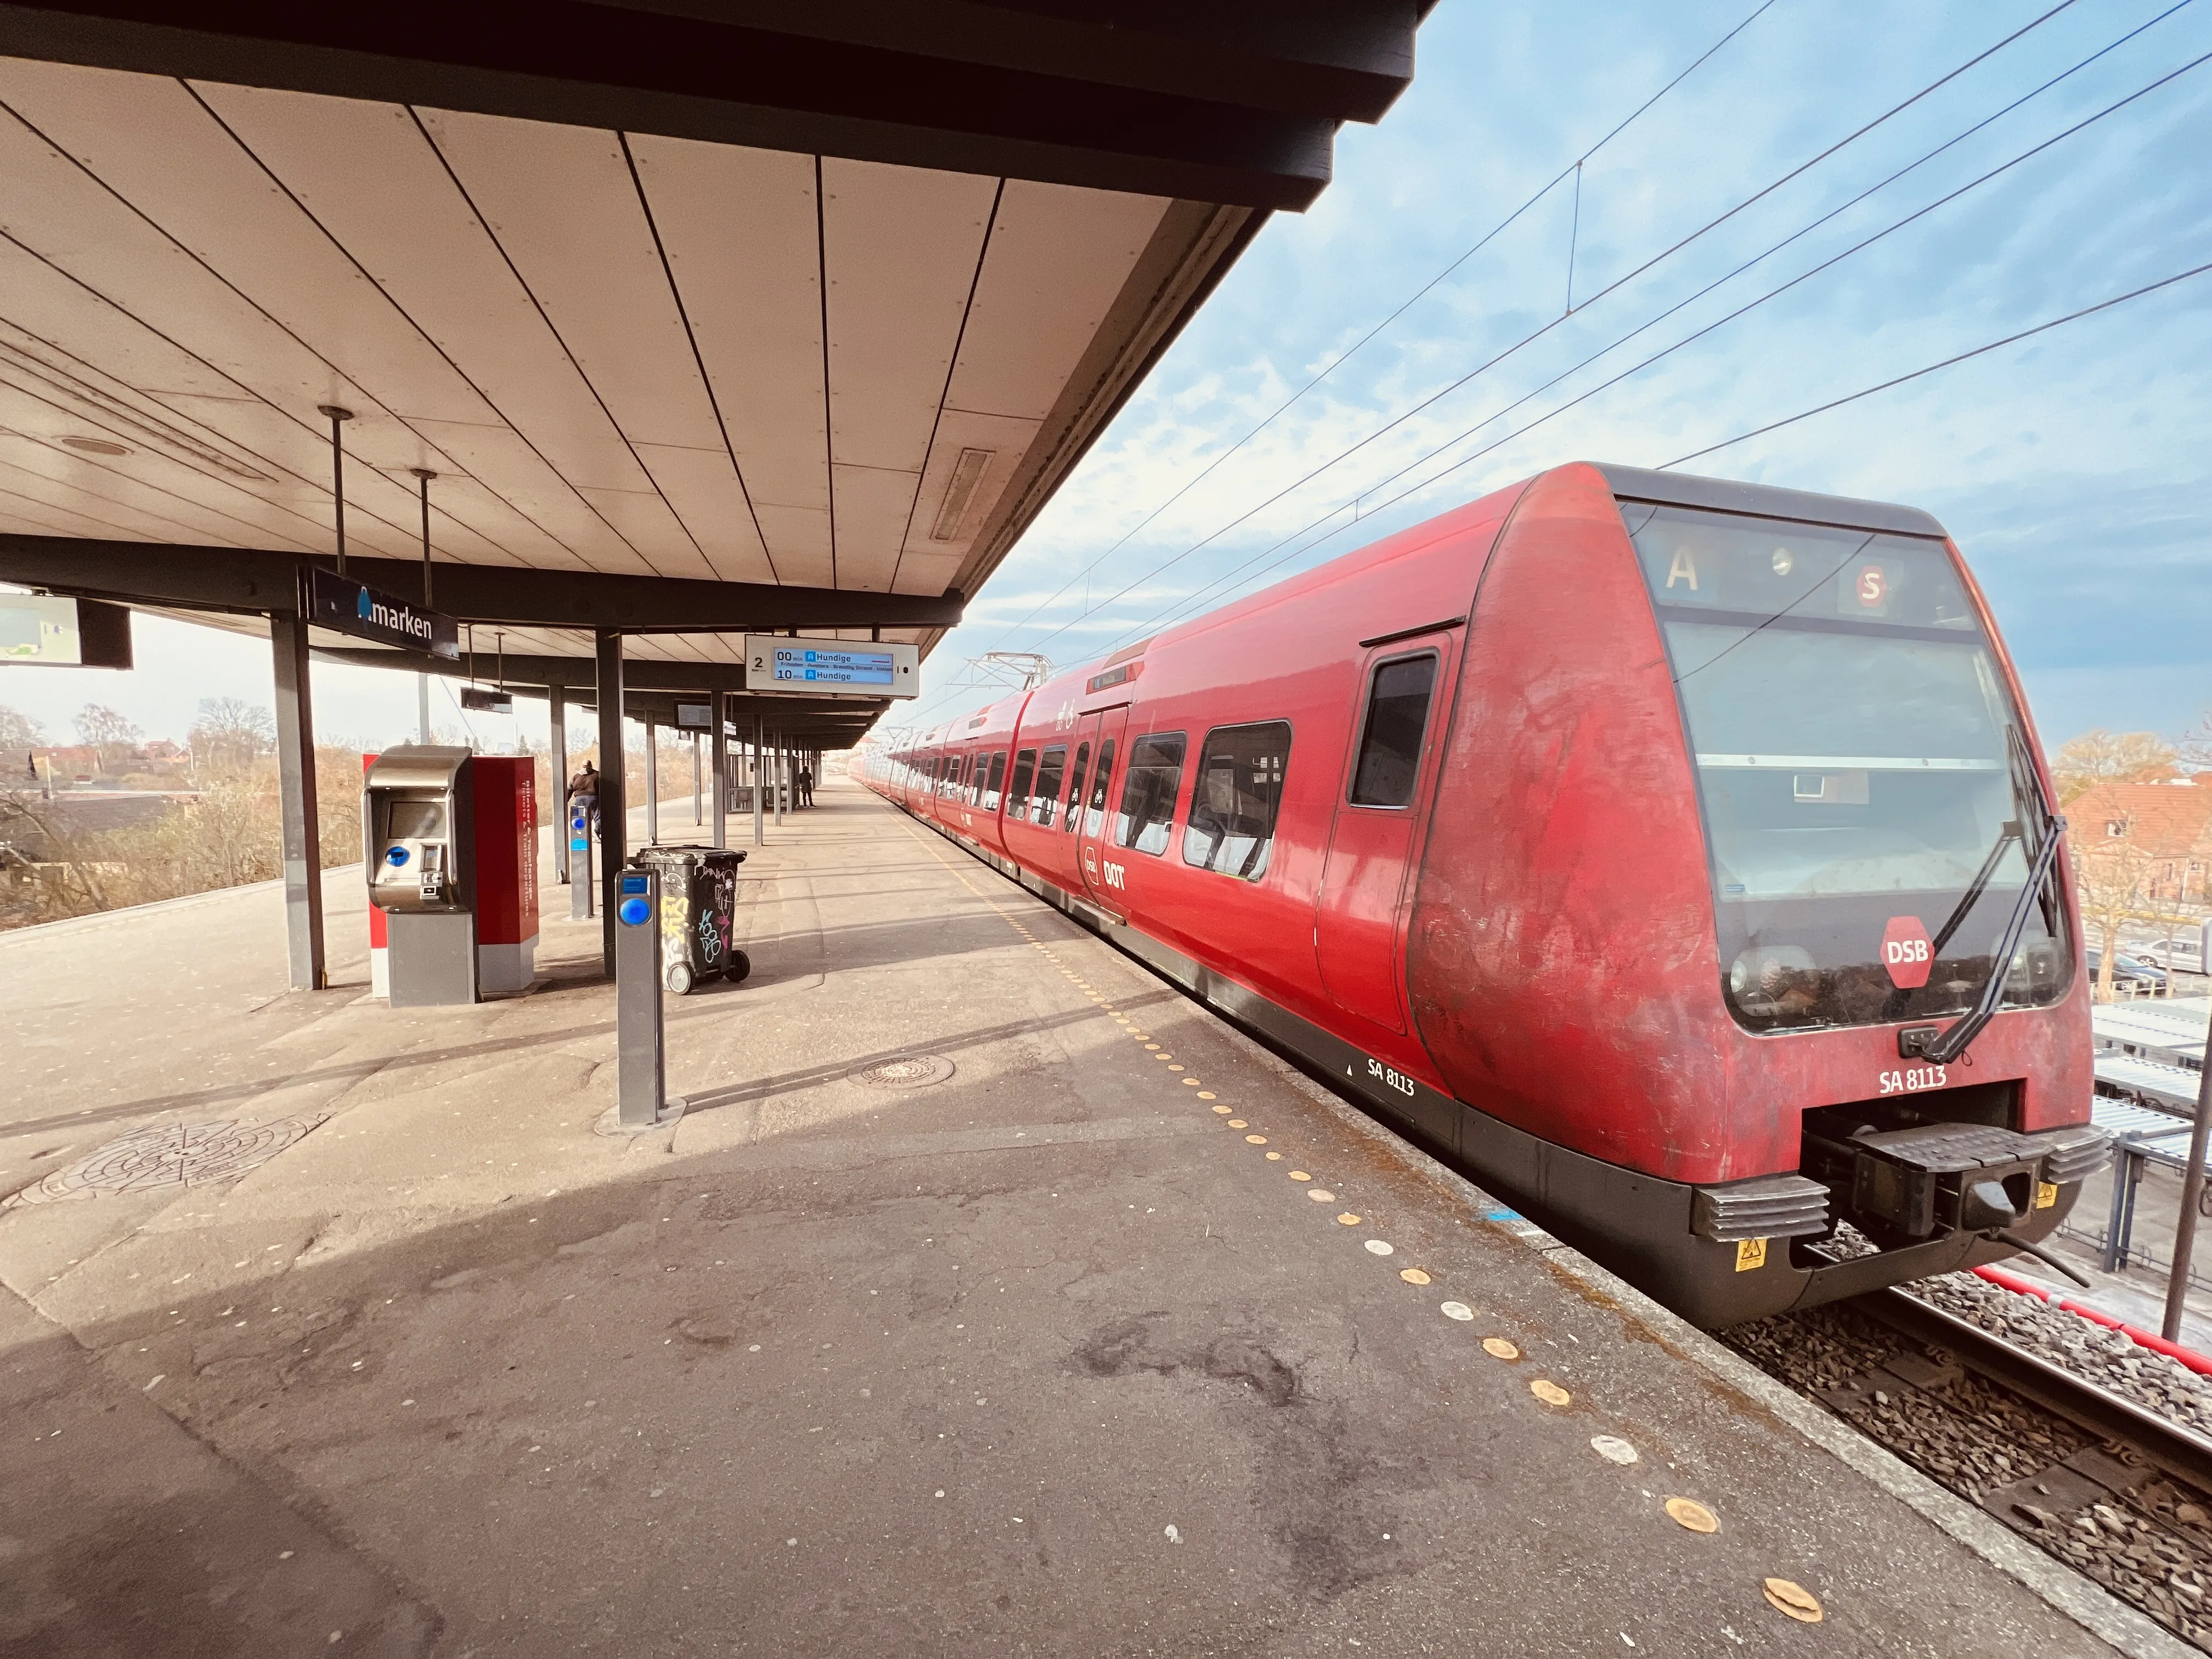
{"x":1907,"y":952}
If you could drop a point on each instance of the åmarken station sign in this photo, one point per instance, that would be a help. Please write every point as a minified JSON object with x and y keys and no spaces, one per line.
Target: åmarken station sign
{"x":346,"y":606}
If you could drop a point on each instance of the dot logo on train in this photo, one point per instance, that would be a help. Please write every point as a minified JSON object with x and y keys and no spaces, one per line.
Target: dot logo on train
{"x":1597,"y":834}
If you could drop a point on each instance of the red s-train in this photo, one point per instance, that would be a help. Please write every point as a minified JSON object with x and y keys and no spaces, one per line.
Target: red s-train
{"x":1672,"y":854}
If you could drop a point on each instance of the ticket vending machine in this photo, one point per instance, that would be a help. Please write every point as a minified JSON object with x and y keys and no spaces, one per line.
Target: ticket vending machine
{"x":450,"y":848}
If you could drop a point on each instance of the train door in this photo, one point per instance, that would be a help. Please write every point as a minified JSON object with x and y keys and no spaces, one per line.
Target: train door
{"x":1101,"y":733}
{"x":1358,"y":917}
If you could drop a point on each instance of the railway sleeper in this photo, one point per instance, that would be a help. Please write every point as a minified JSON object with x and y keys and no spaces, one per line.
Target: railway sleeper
{"x":2096,"y":1504}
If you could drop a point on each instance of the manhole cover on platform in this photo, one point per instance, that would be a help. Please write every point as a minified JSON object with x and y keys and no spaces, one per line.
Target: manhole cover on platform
{"x":907,"y":1072}
{"x":171,"y":1155}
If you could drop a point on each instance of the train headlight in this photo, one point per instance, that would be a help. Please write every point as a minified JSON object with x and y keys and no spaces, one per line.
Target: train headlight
{"x":2034,"y":971}
{"x":1764,"y":972}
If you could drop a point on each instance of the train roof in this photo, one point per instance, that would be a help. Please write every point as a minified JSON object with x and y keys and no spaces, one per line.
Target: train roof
{"x":1728,"y":495}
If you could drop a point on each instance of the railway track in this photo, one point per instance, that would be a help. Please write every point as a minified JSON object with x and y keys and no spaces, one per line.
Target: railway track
{"x":2116,"y":1491}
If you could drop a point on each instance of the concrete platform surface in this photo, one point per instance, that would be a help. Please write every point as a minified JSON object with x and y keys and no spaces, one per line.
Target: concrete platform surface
{"x":1032,"y":1339}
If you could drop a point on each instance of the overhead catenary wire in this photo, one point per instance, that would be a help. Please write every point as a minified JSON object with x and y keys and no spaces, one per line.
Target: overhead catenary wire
{"x":1535,"y":334}
{"x":1573,"y":169}
{"x":1946,"y":362}
{"x":1359,"y":500}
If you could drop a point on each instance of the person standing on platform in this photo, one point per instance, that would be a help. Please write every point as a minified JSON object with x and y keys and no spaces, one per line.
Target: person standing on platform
{"x":806,"y":786}
{"x":583,"y":788}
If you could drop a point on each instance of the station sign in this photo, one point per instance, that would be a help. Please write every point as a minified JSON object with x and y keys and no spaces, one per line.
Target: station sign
{"x":836,"y":668}
{"x":40,"y":630}
{"x":482,"y":699}
{"x":695,"y":716}
{"x":345,"y":606}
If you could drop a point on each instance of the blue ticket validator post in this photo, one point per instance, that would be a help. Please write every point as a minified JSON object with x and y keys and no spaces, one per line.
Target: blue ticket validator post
{"x":581,"y":882}
{"x":639,"y":1064}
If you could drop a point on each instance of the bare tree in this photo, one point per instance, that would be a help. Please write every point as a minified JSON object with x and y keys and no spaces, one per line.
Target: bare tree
{"x":229,"y":734}
{"x":2101,"y":756}
{"x":2112,"y":872}
{"x":106,"y":730}
{"x":19,"y":730}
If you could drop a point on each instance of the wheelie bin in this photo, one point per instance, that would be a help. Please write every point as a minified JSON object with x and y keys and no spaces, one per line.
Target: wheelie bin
{"x":698,"y":899}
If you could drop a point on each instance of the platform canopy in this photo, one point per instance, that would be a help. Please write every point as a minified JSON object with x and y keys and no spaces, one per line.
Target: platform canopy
{"x":706,"y":317}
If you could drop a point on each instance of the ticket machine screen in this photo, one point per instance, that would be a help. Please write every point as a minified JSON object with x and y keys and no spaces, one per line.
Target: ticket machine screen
{"x":417,"y":820}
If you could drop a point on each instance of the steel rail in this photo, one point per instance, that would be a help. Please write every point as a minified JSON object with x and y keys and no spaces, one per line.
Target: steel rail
{"x":2181,"y":1452}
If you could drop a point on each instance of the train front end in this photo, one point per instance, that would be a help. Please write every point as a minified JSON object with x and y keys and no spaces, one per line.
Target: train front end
{"x":1797,"y":899}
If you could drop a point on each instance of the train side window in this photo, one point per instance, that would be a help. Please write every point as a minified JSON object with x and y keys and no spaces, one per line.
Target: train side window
{"x":992,"y":777}
{"x":1148,"y":796}
{"x":1052,"y":770}
{"x":1398,"y":697}
{"x":1075,"y":782}
{"x":1094,"y":810}
{"x":1234,"y":801}
{"x":1018,"y":797}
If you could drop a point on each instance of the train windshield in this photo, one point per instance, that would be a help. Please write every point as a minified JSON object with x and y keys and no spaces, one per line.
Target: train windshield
{"x":1868,"y":807}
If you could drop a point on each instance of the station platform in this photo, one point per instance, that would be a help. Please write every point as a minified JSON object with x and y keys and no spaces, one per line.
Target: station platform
{"x":989,"y":1297}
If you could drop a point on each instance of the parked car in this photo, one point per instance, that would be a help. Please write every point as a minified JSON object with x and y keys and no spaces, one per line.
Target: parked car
{"x":2131,"y":977}
{"x":2177,"y":953}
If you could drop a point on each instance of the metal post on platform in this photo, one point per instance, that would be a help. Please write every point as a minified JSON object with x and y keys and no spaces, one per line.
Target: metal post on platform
{"x":652,"y":784}
{"x":641,"y":1057}
{"x":760,"y":780}
{"x":299,"y":828}
{"x":781,"y":744}
{"x":698,"y":780}
{"x":718,"y":751}
{"x":556,"y":717}
{"x":614,"y":838}
{"x":422,"y":708}
{"x":2125,"y":1163}
{"x":2185,"y":1227}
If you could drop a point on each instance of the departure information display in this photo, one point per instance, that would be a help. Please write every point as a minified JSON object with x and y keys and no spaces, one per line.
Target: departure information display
{"x":830,"y":667}
{"x":811,"y":665}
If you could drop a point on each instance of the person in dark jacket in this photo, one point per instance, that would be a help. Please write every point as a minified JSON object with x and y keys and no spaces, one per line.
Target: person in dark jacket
{"x":583,"y":789}
{"x":806,"y":786}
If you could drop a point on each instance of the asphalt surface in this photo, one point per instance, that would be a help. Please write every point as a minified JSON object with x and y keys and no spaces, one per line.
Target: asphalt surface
{"x":1051,"y":1354}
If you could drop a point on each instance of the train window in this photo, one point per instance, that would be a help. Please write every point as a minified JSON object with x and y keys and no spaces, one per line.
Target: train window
{"x":1018,"y":797}
{"x":1235,"y":799}
{"x":1148,"y":796}
{"x":990,"y":779}
{"x":1398,"y":698}
{"x":1075,"y":781}
{"x":1050,"y":770}
{"x":1094,"y":809}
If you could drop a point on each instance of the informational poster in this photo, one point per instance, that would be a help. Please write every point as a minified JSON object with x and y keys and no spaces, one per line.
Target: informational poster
{"x":830,"y":667}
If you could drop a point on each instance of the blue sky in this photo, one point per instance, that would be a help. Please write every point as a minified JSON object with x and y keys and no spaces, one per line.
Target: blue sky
{"x":2072,"y":467}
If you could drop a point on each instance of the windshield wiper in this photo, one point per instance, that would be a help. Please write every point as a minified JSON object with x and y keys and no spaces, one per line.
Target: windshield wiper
{"x":1919,"y":1042}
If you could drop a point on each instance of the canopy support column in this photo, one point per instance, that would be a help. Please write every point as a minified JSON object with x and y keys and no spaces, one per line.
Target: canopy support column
{"x":556,"y":707}
{"x":614,"y":820}
{"x":300,"y":828}
{"x":720,"y":748}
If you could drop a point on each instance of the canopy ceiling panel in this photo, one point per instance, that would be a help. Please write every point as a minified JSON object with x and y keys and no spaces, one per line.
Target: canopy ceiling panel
{"x":822,"y":301}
